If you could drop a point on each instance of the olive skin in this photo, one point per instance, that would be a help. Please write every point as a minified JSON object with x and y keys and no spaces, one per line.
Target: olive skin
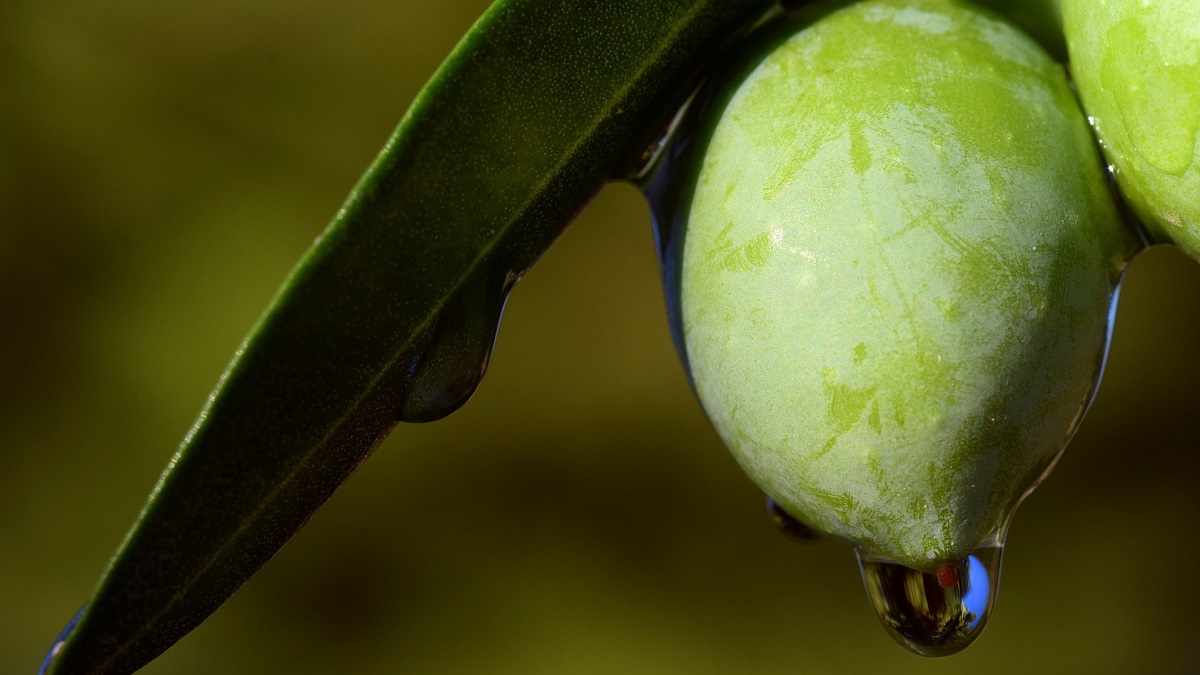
{"x":1137,"y":66}
{"x":897,"y":266}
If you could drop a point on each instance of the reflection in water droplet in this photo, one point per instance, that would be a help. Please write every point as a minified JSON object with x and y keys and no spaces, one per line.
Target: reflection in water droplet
{"x":60,"y":641}
{"x":934,"y":613}
{"x":790,"y":527}
{"x":648,"y":161}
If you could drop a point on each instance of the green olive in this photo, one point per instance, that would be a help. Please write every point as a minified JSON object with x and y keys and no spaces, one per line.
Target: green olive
{"x":1137,"y":66}
{"x":897,"y":266}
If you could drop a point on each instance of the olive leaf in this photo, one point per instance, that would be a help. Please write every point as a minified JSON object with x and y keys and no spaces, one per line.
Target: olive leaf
{"x":391,"y":315}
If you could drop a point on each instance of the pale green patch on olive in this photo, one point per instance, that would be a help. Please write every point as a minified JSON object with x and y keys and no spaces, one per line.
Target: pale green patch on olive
{"x":898,"y":264}
{"x":1137,"y":67}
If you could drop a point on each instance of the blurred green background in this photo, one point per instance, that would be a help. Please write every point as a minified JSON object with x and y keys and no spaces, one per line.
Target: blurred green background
{"x":162,"y":165}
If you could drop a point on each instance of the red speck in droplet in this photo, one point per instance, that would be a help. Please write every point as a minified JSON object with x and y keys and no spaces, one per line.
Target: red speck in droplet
{"x":947,"y":575}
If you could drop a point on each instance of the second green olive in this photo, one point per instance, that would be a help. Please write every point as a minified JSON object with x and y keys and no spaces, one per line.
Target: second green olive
{"x":1137,"y":66}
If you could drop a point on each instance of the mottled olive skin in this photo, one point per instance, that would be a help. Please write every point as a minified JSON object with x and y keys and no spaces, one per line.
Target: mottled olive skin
{"x":1137,"y":66}
{"x":899,"y":259}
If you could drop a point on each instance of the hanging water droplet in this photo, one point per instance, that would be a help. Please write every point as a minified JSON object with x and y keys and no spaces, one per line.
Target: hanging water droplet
{"x":448,"y":368}
{"x":790,"y":527}
{"x":60,"y":641}
{"x":934,"y":613}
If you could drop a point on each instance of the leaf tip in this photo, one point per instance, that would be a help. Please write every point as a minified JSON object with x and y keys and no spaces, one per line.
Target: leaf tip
{"x":59,"y":642}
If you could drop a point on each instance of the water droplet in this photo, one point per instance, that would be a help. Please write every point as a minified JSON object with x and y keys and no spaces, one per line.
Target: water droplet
{"x":59,"y":641}
{"x":790,"y":527}
{"x":455,"y":351}
{"x":934,"y":613}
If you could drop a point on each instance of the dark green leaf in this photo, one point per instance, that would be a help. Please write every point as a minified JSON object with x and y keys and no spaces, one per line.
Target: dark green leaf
{"x":392,"y":313}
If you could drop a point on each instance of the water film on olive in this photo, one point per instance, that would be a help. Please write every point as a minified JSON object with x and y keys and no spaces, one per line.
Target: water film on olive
{"x":934,"y":613}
